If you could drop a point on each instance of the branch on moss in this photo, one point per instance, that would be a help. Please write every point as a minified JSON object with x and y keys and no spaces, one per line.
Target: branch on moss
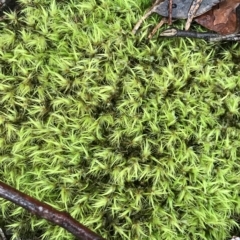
{"x":47,"y":212}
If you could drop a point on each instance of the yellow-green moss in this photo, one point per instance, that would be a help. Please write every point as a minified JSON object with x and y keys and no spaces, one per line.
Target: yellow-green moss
{"x":136,"y":139}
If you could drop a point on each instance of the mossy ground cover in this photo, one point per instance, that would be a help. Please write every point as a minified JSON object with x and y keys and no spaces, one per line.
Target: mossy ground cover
{"x":136,"y":139}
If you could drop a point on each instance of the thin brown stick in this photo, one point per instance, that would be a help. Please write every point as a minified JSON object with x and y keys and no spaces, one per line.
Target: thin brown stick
{"x":192,"y":12}
{"x":47,"y":212}
{"x":146,"y":15}
{"x":163,"y":21}
{"x":170,"y":3}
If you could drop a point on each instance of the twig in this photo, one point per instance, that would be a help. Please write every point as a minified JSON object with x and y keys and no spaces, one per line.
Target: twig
{"x":170,"y":6}
{"x":47,"y":212}
{"x":192,"y":12}
{"x":149,"y":12}
{"x":212,"y":37}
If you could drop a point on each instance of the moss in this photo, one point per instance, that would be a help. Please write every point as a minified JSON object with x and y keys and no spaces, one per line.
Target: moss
{"x":136,"y":139}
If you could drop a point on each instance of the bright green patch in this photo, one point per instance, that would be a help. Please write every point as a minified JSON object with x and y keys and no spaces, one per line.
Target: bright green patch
{"x":136,"y":139}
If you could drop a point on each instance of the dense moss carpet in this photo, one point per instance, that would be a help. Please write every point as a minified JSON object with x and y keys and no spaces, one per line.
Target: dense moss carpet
{"x":136,"y":139}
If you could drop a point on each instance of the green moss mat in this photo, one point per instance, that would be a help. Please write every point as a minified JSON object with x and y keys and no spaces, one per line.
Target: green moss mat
{"x":136,"y":139}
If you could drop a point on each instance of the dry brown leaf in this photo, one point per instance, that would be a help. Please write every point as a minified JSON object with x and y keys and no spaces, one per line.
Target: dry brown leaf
{"x":221,"y":18}
{"x":226,"y":8}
